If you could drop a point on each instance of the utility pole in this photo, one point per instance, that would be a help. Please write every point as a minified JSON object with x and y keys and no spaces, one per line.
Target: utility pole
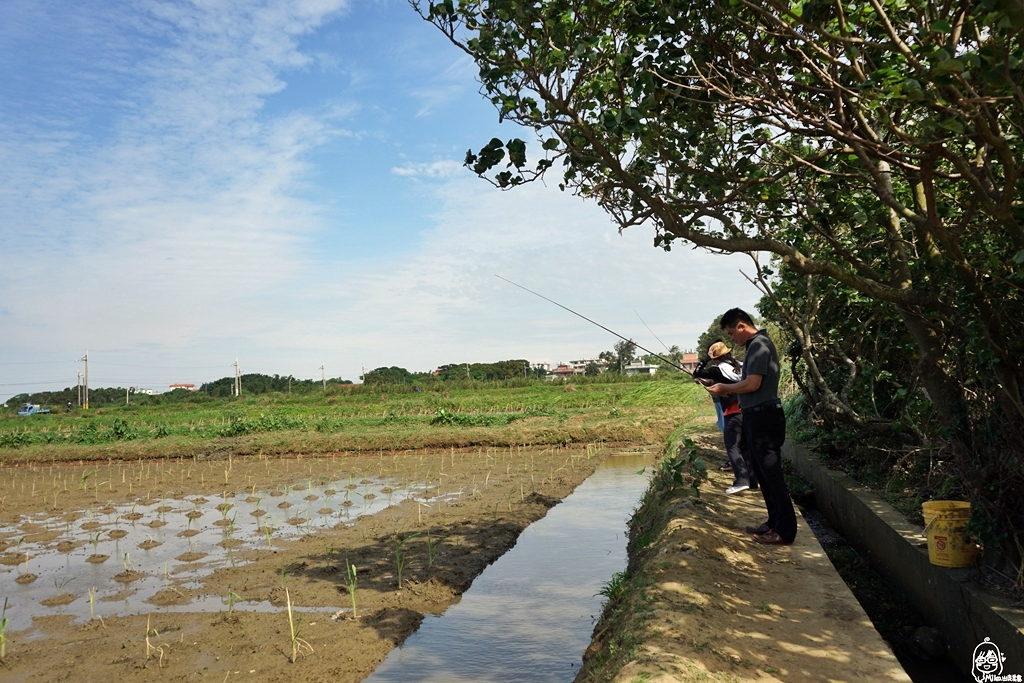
{"x":86,"y":359}
{"x":238,"y":380}
{"x":323,"y":377}
{"x":79,"y":388}
{"x":126,"y":395}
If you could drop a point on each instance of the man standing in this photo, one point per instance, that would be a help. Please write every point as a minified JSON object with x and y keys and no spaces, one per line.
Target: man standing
{"x":764,"y":423}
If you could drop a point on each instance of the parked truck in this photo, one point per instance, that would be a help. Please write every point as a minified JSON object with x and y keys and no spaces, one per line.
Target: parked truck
{"x":32,"y":409}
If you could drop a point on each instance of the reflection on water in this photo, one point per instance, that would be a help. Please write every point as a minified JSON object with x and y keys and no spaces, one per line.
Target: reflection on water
{"x":170,"y":544}
{"x":529,"y":616}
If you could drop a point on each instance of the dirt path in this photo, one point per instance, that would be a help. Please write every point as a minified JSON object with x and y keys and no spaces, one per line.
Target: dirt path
{"x":503,"y":491}
{"x":710,"y":604}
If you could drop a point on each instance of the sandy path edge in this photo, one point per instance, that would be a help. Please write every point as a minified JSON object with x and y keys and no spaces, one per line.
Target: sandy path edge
{"x":705,"y":602}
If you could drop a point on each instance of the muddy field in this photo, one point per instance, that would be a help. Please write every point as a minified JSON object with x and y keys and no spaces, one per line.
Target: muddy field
{"x":184,"y":569}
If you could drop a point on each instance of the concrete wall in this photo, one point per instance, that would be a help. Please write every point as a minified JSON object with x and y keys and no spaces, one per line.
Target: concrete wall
{"x":947,"y":598}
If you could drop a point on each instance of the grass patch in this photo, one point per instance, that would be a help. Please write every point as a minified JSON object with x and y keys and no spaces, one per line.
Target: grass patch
{"x":623,"y":623}
{"x":465,"y":415}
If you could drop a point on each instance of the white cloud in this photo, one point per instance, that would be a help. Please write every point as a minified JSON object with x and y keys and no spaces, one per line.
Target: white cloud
{"x":173,"y":232}
{"x":445,"y":168}
{"x":152,"y":231}
{"x":443,"y":304}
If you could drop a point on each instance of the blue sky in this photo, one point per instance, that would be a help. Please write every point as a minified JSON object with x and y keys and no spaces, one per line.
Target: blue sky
{"x":182,"y":184}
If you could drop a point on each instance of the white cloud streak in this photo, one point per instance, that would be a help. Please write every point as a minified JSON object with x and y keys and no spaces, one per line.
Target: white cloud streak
{"x":443,"y":304}
{"x":151,"y":232}
{"x":170,"y":231}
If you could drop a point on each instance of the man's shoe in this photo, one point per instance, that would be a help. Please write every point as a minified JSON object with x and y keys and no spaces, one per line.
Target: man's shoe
{"x":757,"y":530}
{"x":736,"y":489}
{"x":725,"y":466}
{"x":771,"y":538}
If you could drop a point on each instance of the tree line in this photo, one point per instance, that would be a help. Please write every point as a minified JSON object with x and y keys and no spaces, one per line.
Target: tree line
{"x":256,"y":383}
{"x":252,"y":383}
{"x":867,"y":154}
{"x":500,"y":370}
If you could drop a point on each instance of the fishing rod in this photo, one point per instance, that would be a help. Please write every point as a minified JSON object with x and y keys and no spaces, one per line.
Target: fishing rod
{"x":592,"y":322}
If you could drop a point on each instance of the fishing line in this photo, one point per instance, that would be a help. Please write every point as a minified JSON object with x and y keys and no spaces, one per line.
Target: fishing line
{"x":652,"y":332}
{"x":592,"y":322}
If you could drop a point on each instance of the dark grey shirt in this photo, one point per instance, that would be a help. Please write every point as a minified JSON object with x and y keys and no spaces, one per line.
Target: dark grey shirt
{"x":761,"y":359}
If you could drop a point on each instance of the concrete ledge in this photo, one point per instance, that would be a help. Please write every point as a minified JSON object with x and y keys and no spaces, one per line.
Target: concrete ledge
{"x":947,"y":598}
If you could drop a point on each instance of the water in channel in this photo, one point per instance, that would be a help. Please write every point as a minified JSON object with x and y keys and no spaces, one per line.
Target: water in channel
{"x":530,"y":615}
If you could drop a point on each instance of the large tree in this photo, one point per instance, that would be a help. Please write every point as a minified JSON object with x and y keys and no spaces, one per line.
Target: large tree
{"x":874,"y":145}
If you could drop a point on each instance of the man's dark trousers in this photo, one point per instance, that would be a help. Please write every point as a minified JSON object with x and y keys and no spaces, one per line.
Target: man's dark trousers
{"x":765,"y":430}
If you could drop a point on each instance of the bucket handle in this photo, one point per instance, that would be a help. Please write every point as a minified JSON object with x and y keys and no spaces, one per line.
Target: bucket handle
{"x":929,"y":524}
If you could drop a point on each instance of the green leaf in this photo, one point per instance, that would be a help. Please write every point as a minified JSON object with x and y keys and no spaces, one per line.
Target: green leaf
{"x":516,"y":152}
{"x":952,"y":125}
{"x":947,"y":66}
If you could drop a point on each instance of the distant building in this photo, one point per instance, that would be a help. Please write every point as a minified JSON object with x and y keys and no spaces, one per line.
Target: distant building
{"x":564,"y":370}
{"x":183,"y":385}
{"x":689,"y":361}
{"x":546,"y":367}
{"x":580,"y":366}
{"x":638,"y":367}
{"x":147,"y":392}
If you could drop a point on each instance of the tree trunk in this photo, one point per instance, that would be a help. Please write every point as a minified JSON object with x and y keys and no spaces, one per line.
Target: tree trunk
{"x":943,"y":391}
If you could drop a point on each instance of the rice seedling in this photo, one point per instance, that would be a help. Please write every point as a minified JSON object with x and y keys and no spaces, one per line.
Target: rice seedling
{"x":283,"y":572}
{"x":232,"y":597}
{"x":92,"y":602}
{"x":60,"y":585}
{"x":351,"y":571}
{"x":150,"y":649}
{"x":268,"y":529}
{"x":431,"y":549}
{"x":299,"y":646}
{"x":400,"y":559}
{"x":3,"y":631}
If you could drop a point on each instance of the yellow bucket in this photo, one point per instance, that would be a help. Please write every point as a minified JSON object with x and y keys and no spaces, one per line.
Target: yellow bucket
{"x":945,"y":523}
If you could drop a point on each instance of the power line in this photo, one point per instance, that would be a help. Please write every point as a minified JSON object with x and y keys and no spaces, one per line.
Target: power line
{"x":165,"y":367}
{"x":44,"y":362}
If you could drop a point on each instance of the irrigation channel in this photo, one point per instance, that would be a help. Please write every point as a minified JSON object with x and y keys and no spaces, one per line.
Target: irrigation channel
{"x":530,"y":615}
{"x":171,"y":543}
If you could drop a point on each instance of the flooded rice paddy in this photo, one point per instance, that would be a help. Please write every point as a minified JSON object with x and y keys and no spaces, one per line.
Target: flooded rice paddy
{"x":130,"y":557}
{"x":104,"y":564}
{"x":529,"y":616}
